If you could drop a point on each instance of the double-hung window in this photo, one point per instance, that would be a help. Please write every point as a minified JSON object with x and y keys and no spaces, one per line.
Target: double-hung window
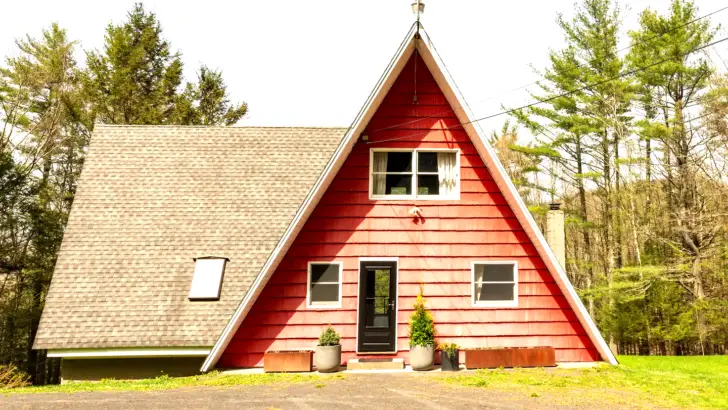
{"x":495,"y":284}
{"x":416,"y":173}
{"x":324,"y":285}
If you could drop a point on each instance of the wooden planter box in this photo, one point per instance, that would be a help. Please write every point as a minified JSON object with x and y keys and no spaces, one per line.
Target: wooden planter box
{"x":491,"y":358}
{"x":288,"y":361}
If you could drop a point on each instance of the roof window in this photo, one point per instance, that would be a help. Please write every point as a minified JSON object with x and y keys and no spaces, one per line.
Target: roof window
{"x":207,"y":279}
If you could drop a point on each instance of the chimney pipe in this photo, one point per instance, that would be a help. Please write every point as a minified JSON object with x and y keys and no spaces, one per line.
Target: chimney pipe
{"x":555,"y":234}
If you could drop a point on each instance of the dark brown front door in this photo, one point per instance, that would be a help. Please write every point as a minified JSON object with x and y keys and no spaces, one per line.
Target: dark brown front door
{"x":377,"y":313}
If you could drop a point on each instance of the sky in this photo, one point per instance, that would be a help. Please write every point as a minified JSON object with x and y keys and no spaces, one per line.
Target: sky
{"x":314,"y":62}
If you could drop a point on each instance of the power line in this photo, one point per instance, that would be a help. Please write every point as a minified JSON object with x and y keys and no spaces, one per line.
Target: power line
{"x":565,"y":94}
{"x":436,"y":115}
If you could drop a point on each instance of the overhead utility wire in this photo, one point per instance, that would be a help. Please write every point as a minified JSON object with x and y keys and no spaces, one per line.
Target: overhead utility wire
{"x":565,"y":94}
{"x":536,"y":82}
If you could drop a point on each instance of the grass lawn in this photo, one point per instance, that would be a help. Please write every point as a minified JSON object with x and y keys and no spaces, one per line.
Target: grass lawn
{"x":638,"y":382}
{"x":213,"y":379}
{"x":686,"y":382}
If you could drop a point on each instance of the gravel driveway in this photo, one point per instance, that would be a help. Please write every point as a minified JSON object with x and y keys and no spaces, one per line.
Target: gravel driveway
{"x":354,"y":391}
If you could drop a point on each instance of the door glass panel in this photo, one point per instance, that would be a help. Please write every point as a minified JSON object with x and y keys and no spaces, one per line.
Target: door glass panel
{"x":377,"y":303}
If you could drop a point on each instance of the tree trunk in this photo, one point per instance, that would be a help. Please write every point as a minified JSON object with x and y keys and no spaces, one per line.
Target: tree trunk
{"x":585,"y":231}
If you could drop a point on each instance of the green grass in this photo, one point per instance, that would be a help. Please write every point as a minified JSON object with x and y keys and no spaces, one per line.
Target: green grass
{"x":213,"y":379}
{"x":646,"y":382}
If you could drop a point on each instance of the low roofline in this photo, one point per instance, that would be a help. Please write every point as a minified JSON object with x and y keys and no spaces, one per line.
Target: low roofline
{"x":128,"y":352}
{"x":416,"y":38}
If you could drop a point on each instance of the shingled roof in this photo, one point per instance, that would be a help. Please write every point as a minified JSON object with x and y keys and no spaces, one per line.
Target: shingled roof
{"x":152,"y":198}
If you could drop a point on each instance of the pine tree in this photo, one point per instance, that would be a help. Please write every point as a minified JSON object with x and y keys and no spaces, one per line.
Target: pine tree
{"x":45,"y":133}
{"x":674,"y":81}
{"x":207,"y":102}
{"x":136,"y":77}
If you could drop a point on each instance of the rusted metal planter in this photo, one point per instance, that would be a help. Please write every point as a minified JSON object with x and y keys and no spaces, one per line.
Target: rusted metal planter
{"x":491,"y":358}
{"x":288,"y":361}
{"x":542,"y":356}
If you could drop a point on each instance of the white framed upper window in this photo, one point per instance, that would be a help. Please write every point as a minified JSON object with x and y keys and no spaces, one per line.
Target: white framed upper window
{"x":323,"y":287}
{"x":207,"y":278}
{"x":414,"y":173}
{"x":495,"y":283}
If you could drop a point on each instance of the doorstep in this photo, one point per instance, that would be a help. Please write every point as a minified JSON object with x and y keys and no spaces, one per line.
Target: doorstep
{"x":375,"y":364}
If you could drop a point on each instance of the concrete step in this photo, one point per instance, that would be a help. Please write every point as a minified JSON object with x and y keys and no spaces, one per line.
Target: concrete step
{"x":375,"y":364}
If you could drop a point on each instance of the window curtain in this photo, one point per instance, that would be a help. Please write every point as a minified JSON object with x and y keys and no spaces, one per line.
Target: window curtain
{"x":380,"y":180}
{"x":446,"y":169}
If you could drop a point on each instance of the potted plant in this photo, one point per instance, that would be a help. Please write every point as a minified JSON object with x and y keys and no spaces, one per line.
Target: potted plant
{"x":450,"y":357}
{"x":328,"y":351}
{"x":421,"y":336}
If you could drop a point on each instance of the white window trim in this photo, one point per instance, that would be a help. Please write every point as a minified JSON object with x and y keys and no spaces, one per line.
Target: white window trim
{"x":336,"y":305}
{"x":454,"y":197}
{"x":495,"y":303}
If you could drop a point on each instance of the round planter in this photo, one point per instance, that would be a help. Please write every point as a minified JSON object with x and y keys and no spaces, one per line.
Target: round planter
{"x":422,"y":357}
{"x":327,"y":358}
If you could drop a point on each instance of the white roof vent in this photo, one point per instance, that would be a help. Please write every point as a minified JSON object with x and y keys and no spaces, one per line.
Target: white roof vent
{"x":207,"y":279}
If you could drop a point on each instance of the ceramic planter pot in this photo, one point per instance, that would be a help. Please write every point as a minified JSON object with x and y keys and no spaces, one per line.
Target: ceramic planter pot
{"x":422,"y":357}
{"x":327,"y":358}
{"x":450,"y":362}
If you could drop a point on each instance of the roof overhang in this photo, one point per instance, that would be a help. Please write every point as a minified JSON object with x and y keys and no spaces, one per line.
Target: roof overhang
{"x":416,"y":38}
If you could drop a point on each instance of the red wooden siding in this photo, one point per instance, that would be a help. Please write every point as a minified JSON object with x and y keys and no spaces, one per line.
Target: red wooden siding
{"x":438,"y":252}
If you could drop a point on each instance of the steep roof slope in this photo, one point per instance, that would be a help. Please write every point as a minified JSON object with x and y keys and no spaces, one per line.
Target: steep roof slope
{"x":416,"y":39}
{"x":152,"y":198}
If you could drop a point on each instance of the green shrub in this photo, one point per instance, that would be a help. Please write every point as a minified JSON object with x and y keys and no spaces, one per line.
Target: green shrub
{"x":421,"y":326}
{"x":449,"y":348}
{"x":329,"y":337}
{"x":11,"y":377}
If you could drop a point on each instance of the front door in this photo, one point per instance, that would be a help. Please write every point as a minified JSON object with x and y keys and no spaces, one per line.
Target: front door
{"x":377,"y":313}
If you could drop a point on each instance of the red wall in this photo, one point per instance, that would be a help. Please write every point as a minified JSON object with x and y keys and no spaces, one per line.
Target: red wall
{"x":438,"y":251}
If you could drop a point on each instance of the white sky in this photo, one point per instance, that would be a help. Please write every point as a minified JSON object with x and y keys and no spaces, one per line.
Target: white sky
{"x":314,"y":62}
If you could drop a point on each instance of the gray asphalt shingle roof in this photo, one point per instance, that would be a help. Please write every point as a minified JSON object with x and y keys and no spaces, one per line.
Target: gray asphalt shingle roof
{"x":152,"y":198}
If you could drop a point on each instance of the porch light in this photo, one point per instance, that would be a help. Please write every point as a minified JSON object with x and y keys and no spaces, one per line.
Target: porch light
{"x":418,"y":7}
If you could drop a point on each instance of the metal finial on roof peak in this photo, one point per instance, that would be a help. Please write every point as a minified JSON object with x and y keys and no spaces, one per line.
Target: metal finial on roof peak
{"x":418,"y":7}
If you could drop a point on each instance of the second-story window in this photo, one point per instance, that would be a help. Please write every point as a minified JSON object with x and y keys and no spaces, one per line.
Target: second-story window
{"x":419,"y":173}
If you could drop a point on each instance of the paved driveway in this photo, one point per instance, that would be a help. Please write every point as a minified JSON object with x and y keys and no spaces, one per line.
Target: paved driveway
{"x":355,"y":391}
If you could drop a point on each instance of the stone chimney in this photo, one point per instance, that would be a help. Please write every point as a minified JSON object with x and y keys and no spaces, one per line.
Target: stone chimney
{"x":555,"y":235}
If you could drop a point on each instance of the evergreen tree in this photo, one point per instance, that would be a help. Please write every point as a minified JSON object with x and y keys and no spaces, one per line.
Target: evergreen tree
{"x":45,"y":133}
{"x":674,"y":81}
{"x":581,"y":128}
{"x":136,"y":77}
{"x":207,"y":102}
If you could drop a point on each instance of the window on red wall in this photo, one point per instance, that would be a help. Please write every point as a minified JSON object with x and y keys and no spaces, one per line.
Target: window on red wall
{"x":408,"y":174}
{"x":495,"y":283}
{"x":324,"y":285}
